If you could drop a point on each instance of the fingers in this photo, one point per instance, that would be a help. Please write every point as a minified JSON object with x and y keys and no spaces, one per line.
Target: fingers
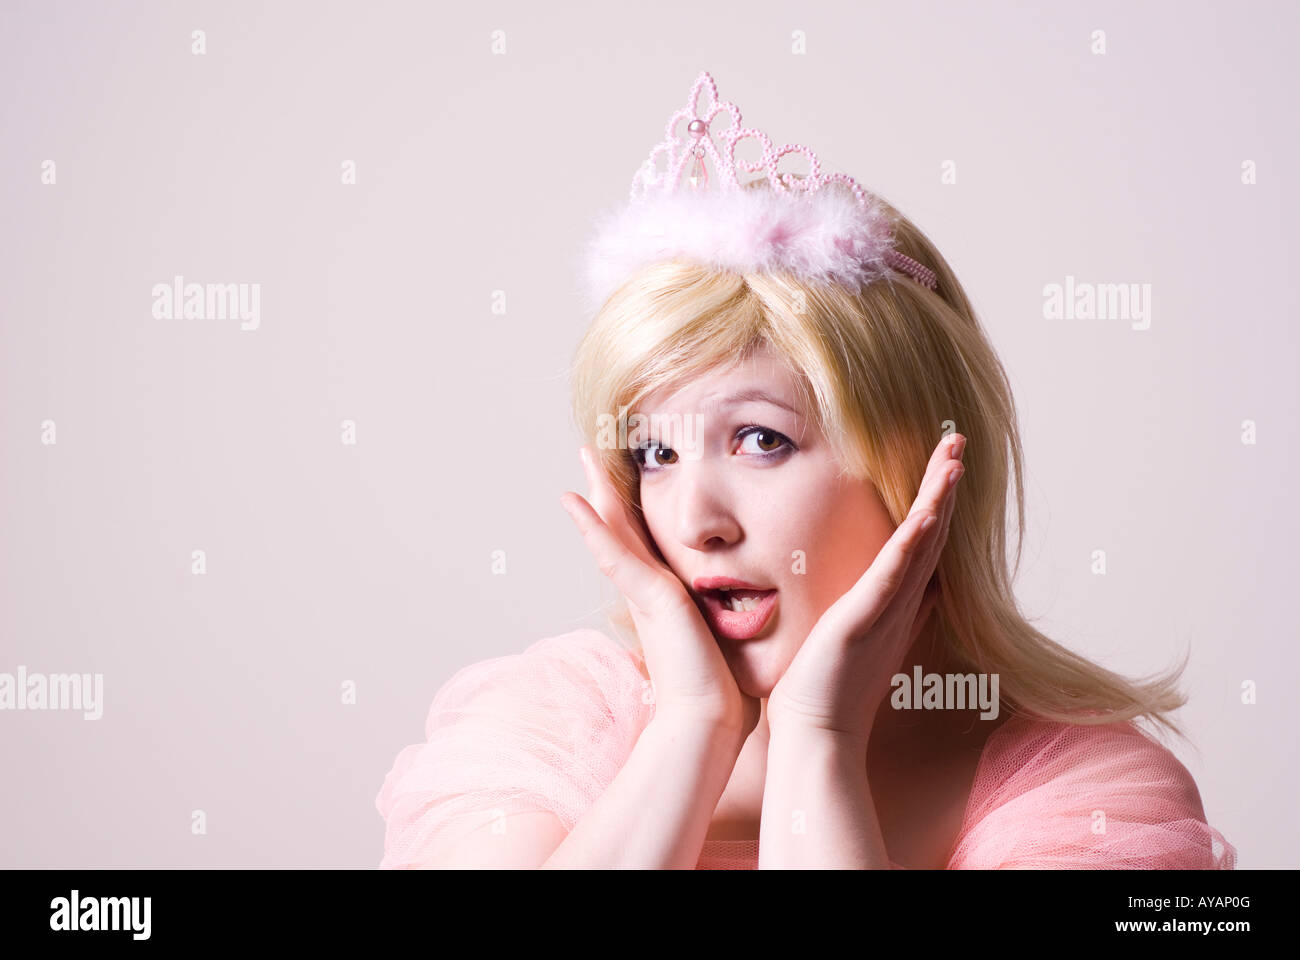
{"x":933,"y":494}
{"x":928,"y":599}
{"x":939,"y":495}
{"x":613,"y":511}
{"x":639,"y":583}
{"x":941,"y":538}
{"x":893,"y":585}
{"x":863,"y":607}
{"x":944,"y":463}
{"x":900,"y":551}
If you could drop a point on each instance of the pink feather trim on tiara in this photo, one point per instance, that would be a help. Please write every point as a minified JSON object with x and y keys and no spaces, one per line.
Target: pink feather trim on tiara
{"x":821,"y":227}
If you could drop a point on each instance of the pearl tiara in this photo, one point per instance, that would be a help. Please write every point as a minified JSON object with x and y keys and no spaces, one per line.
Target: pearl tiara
{"x":819,"y":226}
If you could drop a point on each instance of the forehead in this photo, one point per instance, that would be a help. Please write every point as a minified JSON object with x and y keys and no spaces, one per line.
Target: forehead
{"x":760,"y":377}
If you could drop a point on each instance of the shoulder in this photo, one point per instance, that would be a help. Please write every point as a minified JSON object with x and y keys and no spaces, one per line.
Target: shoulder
{"x":546,"y":729}
{"x":1029,"y":752}
{"x":583,"y":667}
{"x":1057,"y":794}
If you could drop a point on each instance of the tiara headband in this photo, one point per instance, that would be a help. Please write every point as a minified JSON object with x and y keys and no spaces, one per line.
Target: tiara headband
{"x":822,"y":227}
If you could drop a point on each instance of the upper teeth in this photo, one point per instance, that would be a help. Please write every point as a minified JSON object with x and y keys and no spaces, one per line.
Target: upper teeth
{"x":742,"y":603}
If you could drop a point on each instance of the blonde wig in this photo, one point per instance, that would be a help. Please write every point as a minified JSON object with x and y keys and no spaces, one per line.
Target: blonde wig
{"x":886,"y":372}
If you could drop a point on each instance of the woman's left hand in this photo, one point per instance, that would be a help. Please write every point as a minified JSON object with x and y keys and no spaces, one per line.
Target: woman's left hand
{"x":842,"y":673}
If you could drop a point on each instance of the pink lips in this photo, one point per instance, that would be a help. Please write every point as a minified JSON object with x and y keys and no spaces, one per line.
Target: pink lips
{"x":733,"y":624}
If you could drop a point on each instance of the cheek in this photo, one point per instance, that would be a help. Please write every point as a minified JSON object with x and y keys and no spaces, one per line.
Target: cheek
{"x":652,"y":511}
{"x":841,"y":535}
{"x":658,"y":524}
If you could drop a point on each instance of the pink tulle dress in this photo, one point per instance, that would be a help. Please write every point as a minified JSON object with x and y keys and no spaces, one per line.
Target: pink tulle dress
{"x":548,"y":729}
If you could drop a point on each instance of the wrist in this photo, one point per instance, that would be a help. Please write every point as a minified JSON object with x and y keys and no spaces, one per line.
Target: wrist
{"x":813,"y":757}
{"x":700,"y":726}
{"x":800,"y":730}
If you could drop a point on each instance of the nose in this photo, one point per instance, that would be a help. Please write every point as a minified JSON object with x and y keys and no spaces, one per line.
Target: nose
{"x":705,"y":518}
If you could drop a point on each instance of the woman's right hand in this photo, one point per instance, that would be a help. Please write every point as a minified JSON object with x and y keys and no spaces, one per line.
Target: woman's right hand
{"x":690,"y":676}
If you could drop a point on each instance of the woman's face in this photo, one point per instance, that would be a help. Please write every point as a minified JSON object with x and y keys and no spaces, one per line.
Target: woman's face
{"x":738,"y":482}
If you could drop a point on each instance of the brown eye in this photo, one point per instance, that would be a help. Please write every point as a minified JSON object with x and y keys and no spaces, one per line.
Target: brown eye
{"x":652,"y":456}
{"x":765,"y":441}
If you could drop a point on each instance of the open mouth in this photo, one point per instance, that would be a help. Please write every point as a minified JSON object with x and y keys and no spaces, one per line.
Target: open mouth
{"x":738,"y":613}
{"x":739,"y":601}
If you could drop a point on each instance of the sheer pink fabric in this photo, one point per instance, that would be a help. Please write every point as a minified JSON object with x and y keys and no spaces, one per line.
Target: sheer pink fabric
{"x":550,"y":728}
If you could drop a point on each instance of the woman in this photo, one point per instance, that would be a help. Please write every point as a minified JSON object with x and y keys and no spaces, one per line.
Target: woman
{"x":781,"y":392}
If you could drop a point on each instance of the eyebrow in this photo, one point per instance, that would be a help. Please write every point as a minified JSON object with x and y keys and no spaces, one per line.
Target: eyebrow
{"x":752,"y":394}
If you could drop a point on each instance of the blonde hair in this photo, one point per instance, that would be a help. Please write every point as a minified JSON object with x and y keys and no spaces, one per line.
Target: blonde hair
{"x":886,"y":372}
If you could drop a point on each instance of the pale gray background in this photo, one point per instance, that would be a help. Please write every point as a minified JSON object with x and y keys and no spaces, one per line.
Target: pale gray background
{"x":479,"y":172}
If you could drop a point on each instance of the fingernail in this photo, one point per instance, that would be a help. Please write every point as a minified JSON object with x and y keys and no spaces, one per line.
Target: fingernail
{"x":958,"y":447}
{"x":955,"y":475}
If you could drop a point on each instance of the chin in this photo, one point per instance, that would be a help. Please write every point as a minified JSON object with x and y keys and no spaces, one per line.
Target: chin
{"x":756,"y":665}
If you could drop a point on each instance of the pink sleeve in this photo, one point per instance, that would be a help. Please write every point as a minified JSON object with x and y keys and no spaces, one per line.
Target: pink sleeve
{"x":1063,"y":796}
{"x":547,"y":729}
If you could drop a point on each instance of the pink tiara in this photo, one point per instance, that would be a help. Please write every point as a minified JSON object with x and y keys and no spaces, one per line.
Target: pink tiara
{"x":818,"y":226}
